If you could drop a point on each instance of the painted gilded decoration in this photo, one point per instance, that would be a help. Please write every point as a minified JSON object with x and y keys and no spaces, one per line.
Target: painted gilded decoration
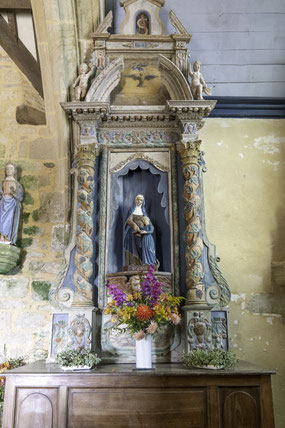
{"x":136,"y":134}
{"x":140,"y":84}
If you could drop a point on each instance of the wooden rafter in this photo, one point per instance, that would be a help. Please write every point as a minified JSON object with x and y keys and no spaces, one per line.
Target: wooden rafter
{"x":15,"y":4}
{"x":22,"y":57}
{"x":12,"y":23}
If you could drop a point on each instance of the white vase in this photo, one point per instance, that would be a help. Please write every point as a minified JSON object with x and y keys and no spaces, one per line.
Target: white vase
{"x":144,"y":353}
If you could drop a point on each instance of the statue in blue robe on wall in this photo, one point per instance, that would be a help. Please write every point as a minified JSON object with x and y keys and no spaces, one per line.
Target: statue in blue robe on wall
{"x":11,"y":196}
{"x":138,"y":239}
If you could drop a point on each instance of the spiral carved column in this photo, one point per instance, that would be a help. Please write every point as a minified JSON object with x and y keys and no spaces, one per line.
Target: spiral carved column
{"x":84,"y":229}
{"x":189,"y":152}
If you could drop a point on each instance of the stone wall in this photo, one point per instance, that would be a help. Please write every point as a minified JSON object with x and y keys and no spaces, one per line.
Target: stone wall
{"x":42,"y":156}
{"x":24,"y":307}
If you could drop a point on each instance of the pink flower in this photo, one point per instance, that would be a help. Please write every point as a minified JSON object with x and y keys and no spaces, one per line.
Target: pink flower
{"x":152,"y":327}
{"x":139,"y":335}
{"x":175,"y":318}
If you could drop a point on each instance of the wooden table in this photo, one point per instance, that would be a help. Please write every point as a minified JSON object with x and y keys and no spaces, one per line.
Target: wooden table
{"x":41,"y":395}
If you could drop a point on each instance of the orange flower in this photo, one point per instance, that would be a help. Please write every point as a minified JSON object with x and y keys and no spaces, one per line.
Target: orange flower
{"x":144,"y":312}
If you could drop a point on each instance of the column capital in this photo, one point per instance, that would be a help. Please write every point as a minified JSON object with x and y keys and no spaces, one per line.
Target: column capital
{"x":87,"y":154}
{"x":189,"y":151}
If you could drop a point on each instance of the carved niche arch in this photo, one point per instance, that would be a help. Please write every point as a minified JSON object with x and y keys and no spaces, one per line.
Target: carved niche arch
{"x":105,"y":82}
{"x":173,"y":79}
{"x":171,"y":76}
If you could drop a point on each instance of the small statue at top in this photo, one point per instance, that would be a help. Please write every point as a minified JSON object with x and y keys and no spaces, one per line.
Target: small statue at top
{"x":198,"y":84}
{"x":80,"y":85}
{"x":138,"y":241}
{"x":11,"y":196}
{"x":142,"y":24}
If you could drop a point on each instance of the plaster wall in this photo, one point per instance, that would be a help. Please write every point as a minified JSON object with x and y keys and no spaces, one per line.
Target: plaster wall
{"x":245,"y":211}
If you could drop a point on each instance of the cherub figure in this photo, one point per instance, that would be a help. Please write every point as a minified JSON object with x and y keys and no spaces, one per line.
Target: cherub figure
{"x":198,"y":84}
{"x":81,"y":83}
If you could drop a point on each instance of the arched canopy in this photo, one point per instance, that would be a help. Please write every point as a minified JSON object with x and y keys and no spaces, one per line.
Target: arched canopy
{"x":174,"y":80}
{"x":171,"y":76}
{"x":105,"y":82}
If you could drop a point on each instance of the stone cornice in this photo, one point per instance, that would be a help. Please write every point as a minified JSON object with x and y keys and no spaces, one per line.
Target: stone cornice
{"x":159,"y":3}
{"x":200,"y":107}
{"x":173,"y":114}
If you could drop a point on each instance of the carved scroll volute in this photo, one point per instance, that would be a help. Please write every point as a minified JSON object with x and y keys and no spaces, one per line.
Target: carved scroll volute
{"x":84,"y":245}
{"x":189,"y":152}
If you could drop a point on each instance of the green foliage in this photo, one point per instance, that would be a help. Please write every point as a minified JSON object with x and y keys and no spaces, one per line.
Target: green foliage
{"x":41,"y":288}
{"x":16,"y":362}
{"x":83,"y":357}
{"x":33,"y":230}
{"x":24,"y":242}
{"x":28,"y":199}
{"x":203,"y":357}
{"x":39,"y":213}
{"x":26,"y":217}
{"x":30,"y":182}
{"x":36,"y":215}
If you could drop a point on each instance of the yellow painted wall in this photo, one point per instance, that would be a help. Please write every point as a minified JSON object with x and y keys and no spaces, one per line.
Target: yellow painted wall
{"x":245,"y":216}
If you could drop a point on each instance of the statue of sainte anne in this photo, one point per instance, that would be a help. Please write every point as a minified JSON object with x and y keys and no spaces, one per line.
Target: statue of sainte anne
{"x":138,"y":240}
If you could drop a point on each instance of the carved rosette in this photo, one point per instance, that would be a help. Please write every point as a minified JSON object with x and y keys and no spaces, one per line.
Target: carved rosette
{"x":84,"y":246}
{"x":190,"y":152}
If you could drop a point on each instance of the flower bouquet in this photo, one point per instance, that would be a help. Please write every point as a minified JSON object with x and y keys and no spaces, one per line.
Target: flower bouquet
{"x":143,"y":312}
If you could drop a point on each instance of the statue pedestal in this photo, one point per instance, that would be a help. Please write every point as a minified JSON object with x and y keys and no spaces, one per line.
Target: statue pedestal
{"x":129,"y":281}
{"x":9,"y":257}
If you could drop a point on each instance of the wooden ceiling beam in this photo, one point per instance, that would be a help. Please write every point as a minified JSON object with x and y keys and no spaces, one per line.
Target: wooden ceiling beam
{"x":12,"y":23}
{"x":15,"y":4}
{"x":21,"y":56}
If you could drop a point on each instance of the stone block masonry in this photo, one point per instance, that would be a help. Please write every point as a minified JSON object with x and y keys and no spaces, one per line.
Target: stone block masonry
{"x":24,"y":306}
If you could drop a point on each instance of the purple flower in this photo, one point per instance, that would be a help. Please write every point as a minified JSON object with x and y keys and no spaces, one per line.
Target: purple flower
{"x":117,"y":293}
{"x":151,"y":287}
{"x":155,"y":291}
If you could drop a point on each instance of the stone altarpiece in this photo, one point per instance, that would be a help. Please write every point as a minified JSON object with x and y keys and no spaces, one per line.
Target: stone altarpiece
{"x":137,"y":132}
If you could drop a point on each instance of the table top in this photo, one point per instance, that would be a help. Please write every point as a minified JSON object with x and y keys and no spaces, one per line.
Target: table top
{"x":170,"y":369}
